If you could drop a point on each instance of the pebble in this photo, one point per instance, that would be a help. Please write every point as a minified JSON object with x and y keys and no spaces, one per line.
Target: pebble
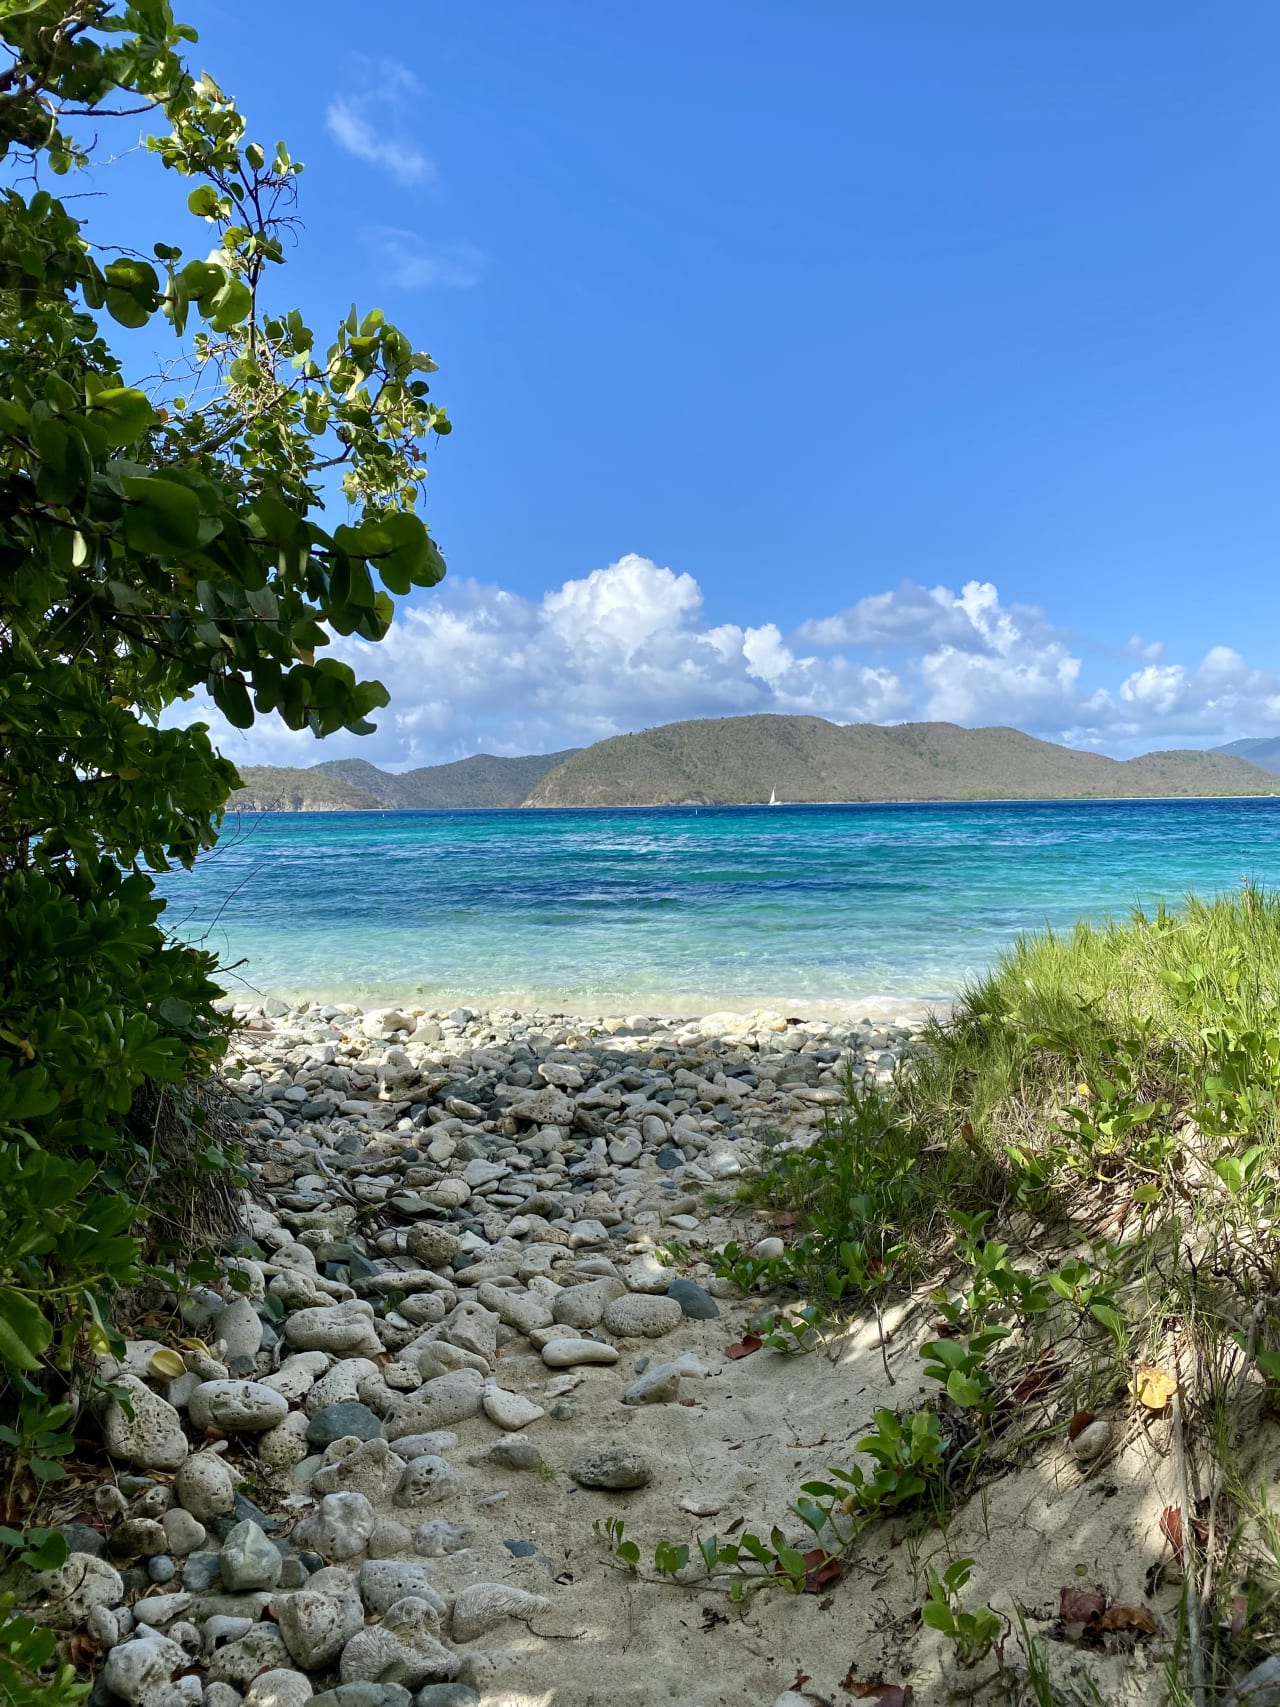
{"x":510,"y":1410}
{"x":152,"y":1436}
{"x":249,"y":1560}
{"x":482,"y":1606}
{"x":565,"y":1354}
{"x":527,"y":1165}
{"x":643,"y":1316}
{"x":694,"y":1301}
{"x":237,"y":1406}
{"x":278,"y":1689}
{"x":614,"y":1468}
{"x":336,"y":1422}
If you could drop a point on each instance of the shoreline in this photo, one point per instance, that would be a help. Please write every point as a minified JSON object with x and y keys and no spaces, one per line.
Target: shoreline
{"x":757,"y":805}
{"x":516,"y":1009}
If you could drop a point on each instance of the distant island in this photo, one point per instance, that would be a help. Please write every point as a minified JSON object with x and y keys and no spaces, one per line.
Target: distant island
{"x":354,"y":785}
{"x":1260,"y":750}
{"x":738,"y":761}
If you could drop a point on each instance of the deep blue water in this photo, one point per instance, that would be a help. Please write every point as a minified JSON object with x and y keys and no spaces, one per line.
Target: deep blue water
{"x":674,"y":907}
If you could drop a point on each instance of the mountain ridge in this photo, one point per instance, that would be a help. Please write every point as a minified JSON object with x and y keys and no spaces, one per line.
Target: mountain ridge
{"x":741,"y":760}
{"x":481,"y":782}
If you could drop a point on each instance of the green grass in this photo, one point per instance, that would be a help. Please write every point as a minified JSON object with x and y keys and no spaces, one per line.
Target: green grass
{"x":1090,"y":1149}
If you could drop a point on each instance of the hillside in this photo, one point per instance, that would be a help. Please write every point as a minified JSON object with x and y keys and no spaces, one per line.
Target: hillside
{"x":1263,"y":751}
{"x":354,"y":785}
{"x":738,"y":760}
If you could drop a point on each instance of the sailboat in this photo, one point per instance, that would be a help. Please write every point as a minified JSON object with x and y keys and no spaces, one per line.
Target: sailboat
{"x":773,"y":797}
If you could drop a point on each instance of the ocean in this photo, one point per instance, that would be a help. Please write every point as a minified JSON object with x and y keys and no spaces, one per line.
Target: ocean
{"x":682,"y":909}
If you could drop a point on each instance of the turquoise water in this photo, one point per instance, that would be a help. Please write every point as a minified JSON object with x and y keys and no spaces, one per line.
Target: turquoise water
{"x":606,"y":911}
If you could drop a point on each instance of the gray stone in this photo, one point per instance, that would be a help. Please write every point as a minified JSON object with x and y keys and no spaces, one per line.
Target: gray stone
{"x":510,"y":1410}
{"x":384,"y":1581}
{"x":205,"y":1487}
{"x":364,"y":1695}
{"x":344,"y":1329}
{"x":240,"y":1662}
{"x":249,"y":1560}
{"x":584,"y":1306}
{"x":641,"y":1316}
{"x":694,"y":1301}
{"x":426,"y":1481}
{"x":200,"y":1571}
{"x":317,"y":1626}
{"x":237,"y":1406}
{"x":481,"y":1606}
{"x":339,"y":1528}
{"x":447,"y":1695}
{"x":437,"y":1404}
{"x":161,"y":1568}
{"x":402,"y":1649}
{"x":336,"y":1422}
{"x":514,"y":1452}
{"x":614,"y":1468}
{"x":438,"y":1537}
{"x":80,"y":1583}
{"x":240,"y":1326}
{"x":183,"y":1532}
{"x":566,"y":1353}
{"x":152,"y":1436}
{"x":278,"y":1689}
{"x":137,"y":1671}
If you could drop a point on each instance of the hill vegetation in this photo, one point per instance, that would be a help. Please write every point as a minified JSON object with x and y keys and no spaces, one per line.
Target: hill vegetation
{"x":354,"y":785}
{"x":740,"y":760}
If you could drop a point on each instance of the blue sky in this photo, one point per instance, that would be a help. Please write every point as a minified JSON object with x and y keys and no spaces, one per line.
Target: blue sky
{"x":747,"y":315}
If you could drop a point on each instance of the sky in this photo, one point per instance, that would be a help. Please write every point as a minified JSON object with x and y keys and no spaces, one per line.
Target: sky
{"x":881,"y":361}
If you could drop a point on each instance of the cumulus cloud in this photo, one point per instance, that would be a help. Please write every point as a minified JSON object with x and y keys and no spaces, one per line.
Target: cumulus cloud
{"x":369,"y":121}
{"x":476,"y":668}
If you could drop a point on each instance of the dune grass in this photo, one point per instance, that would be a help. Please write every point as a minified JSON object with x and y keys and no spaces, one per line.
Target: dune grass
{"x":1088,"y":1154}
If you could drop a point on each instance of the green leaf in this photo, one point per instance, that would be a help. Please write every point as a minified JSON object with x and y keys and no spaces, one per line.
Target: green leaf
{"x":122,"y":414}
{"x":203,"y":201}
{"x":174,"y":1011}
{"x":963,"y":1388}
{"x":162,"y":518}
{"x":24,"y":1333}
{"x":937,"y":1616}
{"x":229,"y":306}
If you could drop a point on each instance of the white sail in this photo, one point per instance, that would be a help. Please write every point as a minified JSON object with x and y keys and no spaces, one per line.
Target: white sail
{"x":773,"y":797}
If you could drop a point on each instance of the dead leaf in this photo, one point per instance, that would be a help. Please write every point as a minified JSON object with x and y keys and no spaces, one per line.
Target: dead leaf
{"x":745,"y":1346}
{"x":1171,"y":1528}
{"x":1081,"y":1605}
{"x":166,"y":1364}
{"x":1153,"y":1386}
{"x":1127,"y":1618}
{"x":799,"y":1681}
{"x":820,"y":1570}
{"x":1079,"y":1423}
{"x":563,"y":1578}
{"x":888,"y":1694}
{"x":1239,"y":1613}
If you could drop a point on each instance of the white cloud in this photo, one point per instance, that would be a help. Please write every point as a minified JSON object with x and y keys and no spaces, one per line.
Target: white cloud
{"x":475,"y":668}
{"x":405,"y":259}
{"x":369,"y":121}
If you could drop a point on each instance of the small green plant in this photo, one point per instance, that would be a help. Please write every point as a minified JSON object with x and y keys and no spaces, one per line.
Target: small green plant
{"x":794,"y":1333}
{"x":671,"y":1253}
{"x":975,"y":1633}
{"x":960,"y":1366}
{"x":612,"y":1531}
{"x":748,"y":1272}
{"x":1080,"y":1284}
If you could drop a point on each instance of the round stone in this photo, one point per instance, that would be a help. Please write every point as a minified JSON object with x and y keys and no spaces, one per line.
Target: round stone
{"x":643,"y":1316}
{"x":336,"y":1422}
{"x":238,"y":1406}
{"x":564,"y":1354}
{"x":694,"y":1302}
{"x":614,"y":1468}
